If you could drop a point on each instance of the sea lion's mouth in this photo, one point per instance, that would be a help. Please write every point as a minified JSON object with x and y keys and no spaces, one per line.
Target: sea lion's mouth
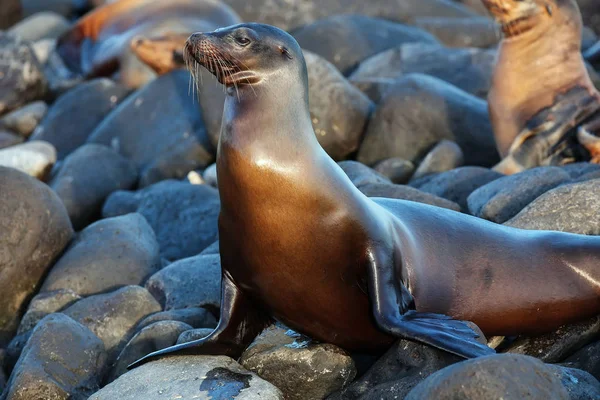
{"x":217,"y":62}
{"x":517,"y":26}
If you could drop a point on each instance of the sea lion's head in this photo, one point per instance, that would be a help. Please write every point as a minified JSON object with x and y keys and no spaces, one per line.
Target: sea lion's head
{"x":163,"y":54}
{"x":518,"y":17}
{"x":246,"y":55}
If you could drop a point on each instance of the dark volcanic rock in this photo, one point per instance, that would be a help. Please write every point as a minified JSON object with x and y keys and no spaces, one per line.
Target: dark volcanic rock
{"x":107,"y":255}
{"x":586,"y":359}
{"x":192,"y":282}
{"x":301,"y":369}
{"x":419,"y":111}
{"x":504,"y":198}
{"x":456,"y":185}
{"x":445,"y":156}
{"x":45,"y":304}
{"x":479,"y":32}
{"x":580,"y":385}
{"x":34,"y":230}
{"x":21,"y":77}
{"x":114,"y":316}
{"x":75,"y":114}
{"x":188,"y":377}
{"x":10,"y":13}
{"x":468,"y":69}
{"x":159,"y":128}
{"x":24,"y":120}
{"x":196,"y":317}
{"x":404,"y":366}
{"x":347,"y":40}
{"x":87,"y":177}
{"x":568,"y":208}
{"x":183,"y":216}
{"x":63,"y":360}
{"x":361,"y":175}
{"x":403,"y":192}
{"x":339,"y":111}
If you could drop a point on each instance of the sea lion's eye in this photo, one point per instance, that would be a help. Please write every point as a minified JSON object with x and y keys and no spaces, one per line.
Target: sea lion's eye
{"x":242,"y":40}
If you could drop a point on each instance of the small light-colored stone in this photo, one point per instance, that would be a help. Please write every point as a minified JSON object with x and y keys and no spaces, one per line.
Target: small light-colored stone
{"x":35,"y":158}
{"x":24,"y":120}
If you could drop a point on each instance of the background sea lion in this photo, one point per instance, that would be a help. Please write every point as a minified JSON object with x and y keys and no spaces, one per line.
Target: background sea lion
{"x":541,"y":91}
{"x":358,"y":272}
{"x":99,"y":44}
{"x":162,"y":54}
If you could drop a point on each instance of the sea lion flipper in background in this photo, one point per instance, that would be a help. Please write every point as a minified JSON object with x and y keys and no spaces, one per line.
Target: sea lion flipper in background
{"x":391,"y":303}
{"x":587,"y":136}
{"x":239,"y":323}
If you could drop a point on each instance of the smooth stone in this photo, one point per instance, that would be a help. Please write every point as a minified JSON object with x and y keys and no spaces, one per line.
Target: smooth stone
{"x":10,"y":13}
{"x":9,"y":139}
{"x":87,"y":177}
{"x":456,"y":185}
{"x":403,"y":192}
{"x":347,"y":40}
{"x":588,"y":38}
{"x":590,"y":13}
{"x":35,"y":158}
{"x":398,"y":170}
{"x":63,"y":360}
{"x":397,"y":372}
{"x":43,"y":50}
{"x":157,"y":336}
{"x":481,"y":32}
{"x":568,"y":208}
{"x":299,"y":368}
{"x":187,"y":377}
{"x":469,"y":69}
{"x":580,"y":385}
{"x":45,"y":304}
{"x":34,"y":230}
{"x":76,"y":113}
{"x":3,"y":378}
{"x":195,"y":178}
{"x":445,"y":156}
{"x":42,"y":25}
{"x":160,"y":129}
{"x":62,"y":7}
{"x":24,"y":120}
{"x":558,"y":345}
{"x":193,"y":335}
{"x":290,"y":14}
{"x":107,"y":255}
{"x":196,"y":317}
{"x":506,"y":376}
{"x":183,"y":216}
{"x":577,"y":170}
{"x":210,"y":175}
{"x":22,"y":80}
{"x":338,"y":110}
{"x":419,"y":111}
{"x":361,"y":175}
{"x":191,"y":282}
{"x":502,"y":199}
{"x":475,"y":5}
{"x":114,"y":316}
{"x":212,"y":249}
{"x":586,"y":359}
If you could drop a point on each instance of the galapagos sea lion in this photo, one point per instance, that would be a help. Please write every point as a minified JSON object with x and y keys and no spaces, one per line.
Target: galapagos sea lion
{"x":301,"y":244}
{"x":99,"y":43}
{"x":162,"y":54}
{"x":541,"y":92}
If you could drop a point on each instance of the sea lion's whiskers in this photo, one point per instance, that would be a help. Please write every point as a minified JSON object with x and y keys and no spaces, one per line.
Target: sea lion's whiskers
{"x":247,"y":68}
{"x":228,"y":71}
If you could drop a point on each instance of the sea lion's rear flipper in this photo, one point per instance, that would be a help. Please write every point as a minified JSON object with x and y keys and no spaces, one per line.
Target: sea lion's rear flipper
{"x":239,"y":324}
{"x":588,"y":136}
{"x":391,"y":304}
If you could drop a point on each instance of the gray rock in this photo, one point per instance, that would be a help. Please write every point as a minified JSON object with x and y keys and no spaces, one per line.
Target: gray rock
{"x":45,"y":304}
{"x":481,"y":32}
{"x":196,"y":317}
{"x":8,"y":139}
{"x":183,"y":216}
{"x":10,"y":13}
{"x":107,"y":255}
{"x":396,"y":169}
{"x":403,"y":192}
{"x":21,"y":77}
{"x":34,"y":230}
{"x":76,"y":113}
{"x":568,"y":208}
{"x":192,"y":282}
{"x":456,"y":185}
{"x":339,"y":111}
{"x":590,"y":13}
{"x":160,"y":129}
{"x":586,"y":359}
{"x":2,"y":373}
{"x":556,"y":346}
{"x":157,"y":336}
{"x":63,"y":7}
{"x":210,"y":175}
{"x":579,"y":384}
{"x":510,"y":377}
{"x":347,"y":40}
{"x":577,"y":170}
{"x":212,"y":249}
{"x":62,"y":360}
{"x":361,"y":175}
{"x":35,"y":158}
{"x":24,"y":120}
{"x":445,"y":156}
{"x":502,"y":199}
{"x":301,"y":369}
{"x":193,"y":335}
{"x":42,"y":25}
{"x":114,"y":316}
{"x":187,"y":377}
{"x":418,"y":112}
{"x":397,"y":372}
{"x":87,"y":177}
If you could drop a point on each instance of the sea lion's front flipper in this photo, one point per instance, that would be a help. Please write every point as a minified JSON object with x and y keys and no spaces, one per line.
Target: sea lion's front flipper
{"x":391,"y":302}
{"x":240,"y":322}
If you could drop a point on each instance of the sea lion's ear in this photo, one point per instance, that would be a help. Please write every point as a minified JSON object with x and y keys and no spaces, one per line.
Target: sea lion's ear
{"x":285,"y":52}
